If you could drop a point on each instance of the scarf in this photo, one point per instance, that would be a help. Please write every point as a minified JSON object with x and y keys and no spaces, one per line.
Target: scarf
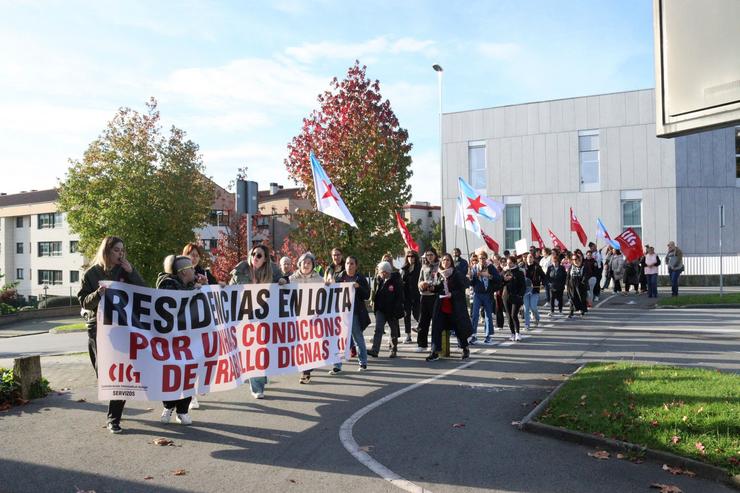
{"x":446,"y":273}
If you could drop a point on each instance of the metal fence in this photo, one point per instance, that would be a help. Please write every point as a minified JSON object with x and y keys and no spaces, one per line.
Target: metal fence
{"x":705,"y":265}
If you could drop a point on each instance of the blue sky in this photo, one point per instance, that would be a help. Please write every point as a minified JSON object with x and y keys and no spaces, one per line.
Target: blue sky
{"x":238,"y":77}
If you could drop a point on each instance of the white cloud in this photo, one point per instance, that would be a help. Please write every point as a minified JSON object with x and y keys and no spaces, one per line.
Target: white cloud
{"x":499,"y":51}
{"x":264,"y":163}
{"x":310,"y":52}
{"x":228,"y":121}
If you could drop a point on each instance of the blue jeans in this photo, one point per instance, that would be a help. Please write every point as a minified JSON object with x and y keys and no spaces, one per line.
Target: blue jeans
{"x":485,"y":300}
{"x":530,"y":305}
{"x":675,"y":274}
{"x":258,"y":384}
{"x":359,"y":338}
{"x":652,"y":282}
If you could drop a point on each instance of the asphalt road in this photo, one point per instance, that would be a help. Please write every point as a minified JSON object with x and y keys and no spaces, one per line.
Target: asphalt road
{"x":290,"y":441}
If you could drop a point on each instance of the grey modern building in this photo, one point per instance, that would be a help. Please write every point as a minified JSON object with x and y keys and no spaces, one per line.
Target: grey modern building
{"x":600,"y":156}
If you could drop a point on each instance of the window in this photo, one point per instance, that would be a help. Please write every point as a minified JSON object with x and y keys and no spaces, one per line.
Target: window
{"x":74,"y":276}
{"x":477,"y":165}
{"x":19,"y":222}
{"x":50,"y":248}
{"x":632,"y":215}
{"x":737,"y":156}
{"x":19,"y":274}
{"x":73,"y":246}
{"x":209,"y":244}
{"x":50,"y":277}
{"x":512,"y":225}
{"x":588,"y":155}
{"x":50,"y":220}
{"x":19,"y":248}
{"x":218,"y":218}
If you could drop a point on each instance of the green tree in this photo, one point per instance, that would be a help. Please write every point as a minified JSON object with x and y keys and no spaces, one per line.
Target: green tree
{"x":137,"y":183}
{"x":358,"y":140}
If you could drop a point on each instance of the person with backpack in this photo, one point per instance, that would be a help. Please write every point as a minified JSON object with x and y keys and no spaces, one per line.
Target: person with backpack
{"x":556,"y":276}
{"x":534,"y":277}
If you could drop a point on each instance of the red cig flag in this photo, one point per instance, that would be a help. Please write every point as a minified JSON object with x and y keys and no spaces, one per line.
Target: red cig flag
{"x":410,"y":243}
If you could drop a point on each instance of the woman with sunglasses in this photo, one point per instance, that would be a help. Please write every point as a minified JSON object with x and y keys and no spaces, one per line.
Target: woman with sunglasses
{"x":411,"y":296}
{"x":306,"y":273}
{"x":360,"y":317}
{"x":427,"y":280}
{"x":109,"y":264}
{"x":257,"y":269}
{"x":577,"y":284}
{"x":450,"y":308}
{"x":179,"y":274}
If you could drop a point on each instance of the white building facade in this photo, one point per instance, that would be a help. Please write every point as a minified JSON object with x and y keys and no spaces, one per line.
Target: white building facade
{"x":600,"y":156}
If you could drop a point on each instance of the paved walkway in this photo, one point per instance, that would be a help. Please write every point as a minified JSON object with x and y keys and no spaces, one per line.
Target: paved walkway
{"x":290,"y":440}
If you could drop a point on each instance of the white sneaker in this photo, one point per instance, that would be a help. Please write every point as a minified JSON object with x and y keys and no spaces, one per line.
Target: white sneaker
{"x":512,"y":338}
{"x":596,"y":298}
{"x":184,"y":419}
{"x":517,"y":337}
{"x":194,"y":404}
{"x":258,"y":395}
{"x":166,"y":415}
{"x":420,"y":350}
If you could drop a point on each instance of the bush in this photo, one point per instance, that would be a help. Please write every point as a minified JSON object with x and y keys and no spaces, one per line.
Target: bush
{"x":6,"y":309}
{"x":9,"y":388}
{"x":59,"y":301}
{"x":40,"y":388}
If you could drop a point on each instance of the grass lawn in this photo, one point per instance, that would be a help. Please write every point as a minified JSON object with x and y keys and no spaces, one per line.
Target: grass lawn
{"x":79,"y":327}
{"x":700,"y":299}
{"x":691,"y":412}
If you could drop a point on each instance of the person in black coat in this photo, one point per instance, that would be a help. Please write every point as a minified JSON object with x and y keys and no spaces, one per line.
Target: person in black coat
{"x":360,"y":317}
{"x":450,"y":308}
{"x":513,"y":296}
{"x":387,"y":298}
{"x":577,"y":283}
{"x":411,"y":296}
{"x":556,"y":276}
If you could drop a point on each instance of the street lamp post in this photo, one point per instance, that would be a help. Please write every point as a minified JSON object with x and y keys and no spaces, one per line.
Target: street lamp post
{"x":438,"y":68}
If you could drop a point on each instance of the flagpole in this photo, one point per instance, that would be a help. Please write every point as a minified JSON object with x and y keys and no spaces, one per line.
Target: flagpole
{"x":467,"y":247}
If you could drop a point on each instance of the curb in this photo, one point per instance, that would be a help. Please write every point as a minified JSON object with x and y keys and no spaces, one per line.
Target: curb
{"x":701,"y":469}
{"x":679,"y":307}
{"x":55,"y":331}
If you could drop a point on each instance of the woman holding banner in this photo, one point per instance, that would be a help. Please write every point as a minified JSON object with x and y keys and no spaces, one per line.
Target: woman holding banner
{"x":306,"y":273}
{"x":109,"y":264}
{"x":257,"y":269}
{"x":179,"y":274}
{"x":360,"y":317}
{"x":450,"y":308}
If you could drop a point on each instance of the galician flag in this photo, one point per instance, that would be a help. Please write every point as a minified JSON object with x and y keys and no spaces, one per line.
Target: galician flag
{"x":466,"y":219}
{"x":328,"y":200}
{"x":479,"y":204}
{"x":603,"y":234}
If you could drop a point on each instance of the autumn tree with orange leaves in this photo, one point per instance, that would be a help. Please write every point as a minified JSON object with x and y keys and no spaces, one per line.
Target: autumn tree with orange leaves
{"x":364,"y":150}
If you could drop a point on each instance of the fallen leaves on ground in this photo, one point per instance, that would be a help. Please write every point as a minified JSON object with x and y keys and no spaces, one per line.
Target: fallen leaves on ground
{"x":654,"y":423}
{"x":147,"y":478}
{"x":675,"y":439}
{"x":458,"y":425}
{"x":599,"y":454}
{"x":21,"y":402}
{"x":734,"y":461}
{"x":179,"y":472}
{"x":77,"y":490}
{"x":620,"y":456}
{"x":163,"y":442}
{"x":516,"y":423}
{"x":4,"y":406}
{"x":82,"y":399}
{"x":700,"y":447}
{"x":666,"y":488}
{"x":293,"y":481}
{"x":677,"y":471}
{"x":367,"y":448}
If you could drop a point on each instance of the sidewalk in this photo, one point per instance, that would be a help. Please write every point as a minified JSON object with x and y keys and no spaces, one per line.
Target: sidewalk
{"x":290,"y":440}
{"x":35,"y":326}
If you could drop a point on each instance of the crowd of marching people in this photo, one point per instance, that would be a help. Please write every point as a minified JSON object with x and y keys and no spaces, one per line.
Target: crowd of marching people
{"x":441,"y":293}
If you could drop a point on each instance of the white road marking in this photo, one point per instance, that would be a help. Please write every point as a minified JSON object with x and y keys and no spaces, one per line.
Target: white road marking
{"x":349,"y":442}
{"x":604,"y":300}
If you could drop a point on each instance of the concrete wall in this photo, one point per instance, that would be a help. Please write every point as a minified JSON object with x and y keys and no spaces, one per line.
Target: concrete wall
{"x":532,"y":153}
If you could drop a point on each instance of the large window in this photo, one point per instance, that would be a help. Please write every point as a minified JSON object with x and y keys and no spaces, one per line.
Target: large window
{"x":588,"y":156}
{"x":19,"y":247}
{"x":512,"y":225}
{"x":632,"y":215}
{"x":50,"y":248}
{"x":50,"y":220}
{"x":50,"y":277}
{"x":737,"y":156}
{"x":74,"y":276}
{"x":477,"y":165}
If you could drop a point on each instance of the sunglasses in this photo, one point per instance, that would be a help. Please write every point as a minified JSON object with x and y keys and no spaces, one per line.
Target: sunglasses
{"x":184,"y":268}
{"x":257,"y":255}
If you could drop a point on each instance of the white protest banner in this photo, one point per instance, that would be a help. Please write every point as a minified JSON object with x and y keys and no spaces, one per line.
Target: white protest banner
{"x":521,"y":246}
{"x":157,"y":344}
